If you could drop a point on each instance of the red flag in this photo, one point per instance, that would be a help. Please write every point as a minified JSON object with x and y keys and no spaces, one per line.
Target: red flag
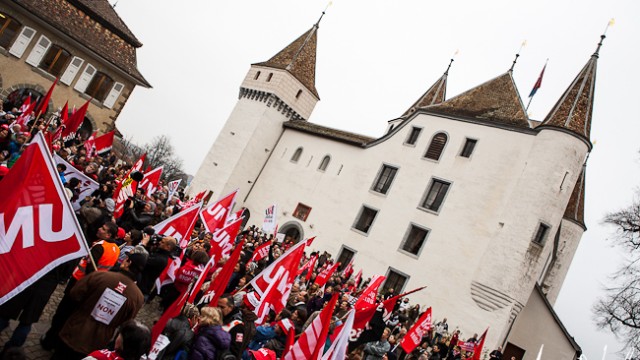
{"x":126,"y":187}
{"x":25,"y":105}
{"x":150,"y":181}
{"x":291,"y":338}
{"x":309,"y":266}
{"x":477,"y":349}
{"x":413,"y":337}
{"x":261,"y":252}
{"x":368,"y":297}
{"x":219,"y":284}
{"x":201,"y":278}
{"x":45,"y":102}
{"x":340,"y":339}
{"x":104,"y":142}
{"x":168,"y":275}
{"x":36,"y":221}
{"x":64,"y":115}
{"x":326,"y":274}
{"x":273,"y":284}
{"x":25,"y":117}
{"x":180,"y":225}
{"x":214,"y":216}
{"x":75,"y":122}
{"x":90,"y":146}
{"x":173,"y":311}
{"x":223,"y":240}
{"x":538,"y":83}
{"x":348,"y":270}
{"x":310,"y":344}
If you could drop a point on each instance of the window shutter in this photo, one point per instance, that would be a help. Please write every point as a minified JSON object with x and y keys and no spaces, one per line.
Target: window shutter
{"x":113,"y":95}
{"x":437,"y":145}
{"x":21,"y":43}
{"x":72,"y":70}
{"x":39,"y":50}
{"x":85,"y":78}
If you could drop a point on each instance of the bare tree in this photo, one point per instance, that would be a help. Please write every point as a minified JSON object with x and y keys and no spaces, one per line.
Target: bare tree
{"x":160,"y":152}
{"x":619,"y":309}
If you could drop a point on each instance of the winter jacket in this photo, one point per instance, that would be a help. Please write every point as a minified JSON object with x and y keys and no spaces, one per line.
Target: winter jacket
{"x":209,"y":341}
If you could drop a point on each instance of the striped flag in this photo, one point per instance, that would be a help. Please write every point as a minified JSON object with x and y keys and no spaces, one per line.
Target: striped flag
{"x":538,"y":83}
{"x":310,"y":344}
{"x":339,"y":345}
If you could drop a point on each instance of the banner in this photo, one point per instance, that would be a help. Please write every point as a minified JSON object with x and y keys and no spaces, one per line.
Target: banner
{"x":215,"y":215}
{"x":173,"y":187}
{"x":87,"y":185}
{"x":413,"y":337}
{"x":150,"y":181}
{"x":38,"y":227}
{"x":180,"y":225}
{"x":269,"y":223}
{"x":273,"y":284}
{"x":104,"y":143}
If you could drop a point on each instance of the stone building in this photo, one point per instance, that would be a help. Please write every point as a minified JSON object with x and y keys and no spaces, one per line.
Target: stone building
{"x":84,"y":43}
{"x":466,"y":195}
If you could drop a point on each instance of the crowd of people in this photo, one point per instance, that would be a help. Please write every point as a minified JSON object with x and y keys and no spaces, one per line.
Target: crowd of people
{"x":104,"y":292}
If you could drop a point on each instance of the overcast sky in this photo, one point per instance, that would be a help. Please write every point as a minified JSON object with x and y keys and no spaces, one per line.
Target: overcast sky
{"x":375,"y":58}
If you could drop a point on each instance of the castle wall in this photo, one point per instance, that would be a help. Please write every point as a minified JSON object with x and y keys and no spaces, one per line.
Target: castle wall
{"x":570,"y":236}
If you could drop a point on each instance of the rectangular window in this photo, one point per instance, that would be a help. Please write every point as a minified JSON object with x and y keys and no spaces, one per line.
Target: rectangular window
{"x":414,"y":239}
{"x":467,"y":150}
{"x":302,"y":212}
{"x":413,"y":136}
{"x":345,"y":257}
{"x":9,"y":28}
{"x":435,"y":195}
{"x":395,"y":281}
{"x":541,"y":234}
{"x":365,"y":219}
{"x":384,"y":179}
{"x":99,"y":86}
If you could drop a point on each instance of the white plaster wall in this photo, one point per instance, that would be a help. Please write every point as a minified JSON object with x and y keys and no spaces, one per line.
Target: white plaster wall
{"x":570,"y":236}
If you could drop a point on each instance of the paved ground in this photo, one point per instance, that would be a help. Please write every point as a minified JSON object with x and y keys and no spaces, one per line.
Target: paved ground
{"x":148,"y":315}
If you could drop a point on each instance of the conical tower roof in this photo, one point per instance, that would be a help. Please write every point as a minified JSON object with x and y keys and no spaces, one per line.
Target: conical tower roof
{"x":574,"y":109}
{"x":434,"y":95}
{"x":496,"y":100}
{"x":299,"y":58}
{"x":575,"y":207}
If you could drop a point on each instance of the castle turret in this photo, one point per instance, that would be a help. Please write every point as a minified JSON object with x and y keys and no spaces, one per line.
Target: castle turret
{"x":274,"y":91}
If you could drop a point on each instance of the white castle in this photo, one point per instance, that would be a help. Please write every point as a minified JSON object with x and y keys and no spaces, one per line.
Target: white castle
{"x":465,"y":195}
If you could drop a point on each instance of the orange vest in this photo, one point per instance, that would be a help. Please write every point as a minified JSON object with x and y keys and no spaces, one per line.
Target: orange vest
{"x":109,"y":257}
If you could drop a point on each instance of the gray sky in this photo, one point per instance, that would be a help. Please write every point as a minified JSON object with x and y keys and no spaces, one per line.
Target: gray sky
{"x":375,"y":58}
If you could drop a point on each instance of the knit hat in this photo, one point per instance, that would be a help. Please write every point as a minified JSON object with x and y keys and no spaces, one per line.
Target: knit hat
{"x":285,"y":325}
{"x":251,"y":300}
{"x":110,"y":204}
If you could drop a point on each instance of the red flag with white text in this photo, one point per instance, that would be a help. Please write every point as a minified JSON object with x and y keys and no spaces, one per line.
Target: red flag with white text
{"x":38,"y":228}
{"x":74,"y":123}
{"x":25,"y":105}
{"x":201,"y":278}
{"x":310,"y":344}
{"x":326,"y":274}
{"x":127,"y":187}
{"x":90,"y":146}
{"x":414,"y":336}
{"x":104,"y":142}
{"x":214,"y":215}
{"x":150,"y":181}
{"x":180,"y":225}
{"x":261,"y":252}
{"x":273,"y":284}
{"x":368,"y":297}
{"x":223,"y":240}
{"x":309,"y":265}
{"x":477,"y":349}
{"x":168,"y":275}
{"x":25,"y":117}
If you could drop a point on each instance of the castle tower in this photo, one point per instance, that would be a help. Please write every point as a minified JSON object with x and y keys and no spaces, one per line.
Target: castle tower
{"x":275,"y":91}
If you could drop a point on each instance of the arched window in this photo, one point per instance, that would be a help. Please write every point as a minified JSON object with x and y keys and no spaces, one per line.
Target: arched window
{"x":296,"y":155}
{"x":437,"y":145}
{"x":324,"y":163}
{"x":9,"y":28}
{"x":99,"y":86}
{"x":55,"y":60}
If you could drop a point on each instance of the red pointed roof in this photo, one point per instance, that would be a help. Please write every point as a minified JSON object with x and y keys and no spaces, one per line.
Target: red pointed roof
{"x":434,"y":95}
{"x":299,"y":58}
{"x":496,"y":100}
{"x":574,"y":108}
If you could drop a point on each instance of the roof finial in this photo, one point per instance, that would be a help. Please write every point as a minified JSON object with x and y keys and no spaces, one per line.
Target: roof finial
{"x":603,"y":36}
{"x":323,"y":11}
{"x":524,"y":43}
{"x":451,"y":62}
